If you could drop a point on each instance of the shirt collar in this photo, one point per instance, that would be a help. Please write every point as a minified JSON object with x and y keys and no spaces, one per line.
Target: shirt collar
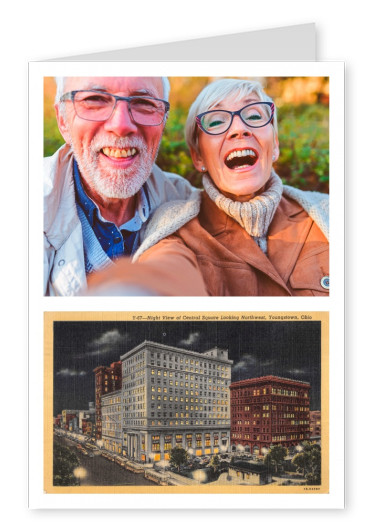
{"x":87,"y":205}
{"x":142,"y":211}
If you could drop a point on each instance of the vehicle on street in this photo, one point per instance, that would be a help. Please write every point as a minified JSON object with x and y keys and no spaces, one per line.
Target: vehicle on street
{"x":120,"y":461}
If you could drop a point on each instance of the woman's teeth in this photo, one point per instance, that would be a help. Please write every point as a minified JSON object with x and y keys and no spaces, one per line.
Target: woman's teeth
{"x":241,"y":158}
{"x":119,"y":153}
{"x":241,"y":153}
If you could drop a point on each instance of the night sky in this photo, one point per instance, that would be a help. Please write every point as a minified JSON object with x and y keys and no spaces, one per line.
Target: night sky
{"x":287,"y":349}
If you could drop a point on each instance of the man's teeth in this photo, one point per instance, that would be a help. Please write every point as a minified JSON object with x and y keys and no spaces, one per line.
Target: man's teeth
{"x":241,"y":153}
{"x":119,"y":153}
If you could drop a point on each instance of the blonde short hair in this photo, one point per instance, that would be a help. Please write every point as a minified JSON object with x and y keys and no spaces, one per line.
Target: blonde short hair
{"x":216,"y":92}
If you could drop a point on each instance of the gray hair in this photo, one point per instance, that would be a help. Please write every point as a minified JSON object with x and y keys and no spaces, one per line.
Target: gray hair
{"x":60,"y":84}
{"x":216,"y":92}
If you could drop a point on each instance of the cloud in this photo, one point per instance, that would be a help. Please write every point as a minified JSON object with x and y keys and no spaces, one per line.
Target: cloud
{"x":191,"y":340}
{"x":111,"y":337}
{"x":108,"y":342}
{"x":297,"y":372}
{"x":245,"y":366}
{"x":70,"y":372}
{"x":266,"y":363}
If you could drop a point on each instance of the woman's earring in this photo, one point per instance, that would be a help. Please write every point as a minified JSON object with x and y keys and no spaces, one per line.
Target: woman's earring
{"x":273,"y":158}
{"x":203,"y":168}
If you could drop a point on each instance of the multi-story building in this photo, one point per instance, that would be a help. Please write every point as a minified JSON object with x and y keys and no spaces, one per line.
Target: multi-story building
{"x":73,"y":424}
{"x":85,"y":415}
{"x":172,"y":397}
{"x":315,"y":424}
{"x":111,"y":421}
{"x":88,"y":426}
{"x":268,"y":411}
{"x":67,"y":419}
{"x":107,"y":380}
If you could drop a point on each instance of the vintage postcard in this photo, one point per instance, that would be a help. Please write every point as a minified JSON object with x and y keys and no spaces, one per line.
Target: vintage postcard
{"x":152,"y":403}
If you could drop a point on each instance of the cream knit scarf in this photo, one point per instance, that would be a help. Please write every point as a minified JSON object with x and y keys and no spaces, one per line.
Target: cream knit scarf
{"x":255,"y":215}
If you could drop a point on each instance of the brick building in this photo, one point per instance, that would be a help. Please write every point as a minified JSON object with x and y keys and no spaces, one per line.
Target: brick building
{"x":268,"y":411}
{"x":107,"y":380}
{"x":69,"y":419}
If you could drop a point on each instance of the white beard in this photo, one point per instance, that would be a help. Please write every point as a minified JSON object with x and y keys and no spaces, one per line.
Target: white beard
{"x":115,"y":183}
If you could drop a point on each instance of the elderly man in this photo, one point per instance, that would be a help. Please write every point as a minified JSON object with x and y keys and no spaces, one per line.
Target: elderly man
{"x":102,"y":186}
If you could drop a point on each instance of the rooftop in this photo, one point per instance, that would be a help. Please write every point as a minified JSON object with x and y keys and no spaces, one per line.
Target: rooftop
{"x":267,"y":379}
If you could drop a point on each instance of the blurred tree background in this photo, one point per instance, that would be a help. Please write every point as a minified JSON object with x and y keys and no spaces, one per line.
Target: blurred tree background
{"x":303,"y":128}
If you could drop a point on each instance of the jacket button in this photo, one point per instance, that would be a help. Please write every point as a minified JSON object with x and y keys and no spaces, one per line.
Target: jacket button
{"x":117,"y":239}
{"x":325,"y":282}
{"x":61,"y":262}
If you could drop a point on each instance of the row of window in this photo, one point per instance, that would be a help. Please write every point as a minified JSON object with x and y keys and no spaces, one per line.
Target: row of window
{"x":188,"y":422}
{"x":187,"y":360}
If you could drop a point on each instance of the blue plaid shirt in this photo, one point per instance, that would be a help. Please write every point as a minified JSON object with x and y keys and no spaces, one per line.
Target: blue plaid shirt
{"x":115,"y":241}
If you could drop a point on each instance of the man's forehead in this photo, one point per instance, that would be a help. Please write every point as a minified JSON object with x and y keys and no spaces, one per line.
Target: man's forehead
{"x":127,"y":85}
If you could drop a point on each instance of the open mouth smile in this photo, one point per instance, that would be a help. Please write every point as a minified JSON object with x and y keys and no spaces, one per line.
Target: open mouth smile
{"x":241,"y":158}
{"x":116,"y":153}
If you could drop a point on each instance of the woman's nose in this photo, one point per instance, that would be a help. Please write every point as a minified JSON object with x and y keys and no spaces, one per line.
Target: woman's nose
{"x":238,"y":128}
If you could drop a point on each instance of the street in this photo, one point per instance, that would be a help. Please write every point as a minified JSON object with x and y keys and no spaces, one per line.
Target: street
{"x":101,"y":472}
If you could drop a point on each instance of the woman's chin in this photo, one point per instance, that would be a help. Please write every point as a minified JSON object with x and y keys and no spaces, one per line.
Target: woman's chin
{"x":243,"y":189}
{"x":241,"y":181}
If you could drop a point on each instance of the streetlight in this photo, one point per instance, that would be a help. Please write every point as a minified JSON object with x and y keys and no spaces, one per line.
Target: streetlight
{"x":163,"y":464}
{"x":80,"y":473}
{"x":199,"y":475}
{"x":240,"y":448}
{"x":152,"y":458}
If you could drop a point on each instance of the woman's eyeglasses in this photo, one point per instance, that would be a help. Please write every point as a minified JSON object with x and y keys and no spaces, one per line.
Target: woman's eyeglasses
{"x":254,"y":115}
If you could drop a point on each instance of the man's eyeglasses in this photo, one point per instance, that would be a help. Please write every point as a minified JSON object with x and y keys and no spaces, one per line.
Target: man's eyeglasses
{"x":253,"y":115}
{"x":98,"y":106}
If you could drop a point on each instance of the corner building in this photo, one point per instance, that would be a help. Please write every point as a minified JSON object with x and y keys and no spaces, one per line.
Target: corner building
{"x":269,"y":411}
{"x":174,"y":397}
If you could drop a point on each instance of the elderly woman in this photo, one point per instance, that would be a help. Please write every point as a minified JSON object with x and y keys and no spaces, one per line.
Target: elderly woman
{"x":246,"y":234}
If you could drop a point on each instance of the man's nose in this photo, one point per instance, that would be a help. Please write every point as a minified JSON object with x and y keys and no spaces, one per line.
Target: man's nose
{"x":238,"y":128}
{"x":120,"y":121}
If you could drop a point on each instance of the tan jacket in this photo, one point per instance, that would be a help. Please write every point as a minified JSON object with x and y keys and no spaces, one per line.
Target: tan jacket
{"x":213,"y":255}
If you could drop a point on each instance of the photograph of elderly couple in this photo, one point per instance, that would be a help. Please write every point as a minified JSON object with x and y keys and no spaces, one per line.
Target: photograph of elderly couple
{"x":186,"y":186}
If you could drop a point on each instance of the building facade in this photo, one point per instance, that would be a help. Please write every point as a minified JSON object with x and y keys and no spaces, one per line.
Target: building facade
{"x":315,"y":424}
{"x":86,"y":415}
{"x":107,"y":380}
{"x":173,"y":397}
{"x":69,"y":419}
{"x":268,"y":411}
{"x":111,"y":421}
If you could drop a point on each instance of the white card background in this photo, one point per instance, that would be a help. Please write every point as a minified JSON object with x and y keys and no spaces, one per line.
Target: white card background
{"x":36,"y":32}
{"x":333,"y":304}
